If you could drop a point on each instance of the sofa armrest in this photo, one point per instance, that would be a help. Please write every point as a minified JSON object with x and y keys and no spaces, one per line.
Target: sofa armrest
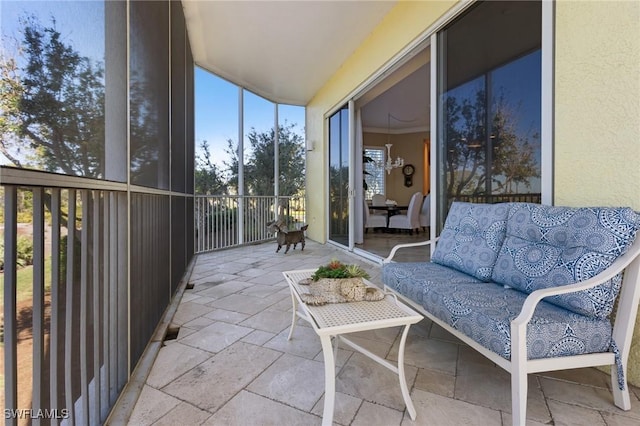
{"x":535,"y":297}
{"x":400,"y":246}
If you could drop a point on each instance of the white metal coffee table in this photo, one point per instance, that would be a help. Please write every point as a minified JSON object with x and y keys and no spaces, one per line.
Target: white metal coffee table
{"x":334,"y":320}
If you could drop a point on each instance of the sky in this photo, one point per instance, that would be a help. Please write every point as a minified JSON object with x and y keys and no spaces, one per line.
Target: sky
{"x":217,"y":114}
{"x":81,"y":23}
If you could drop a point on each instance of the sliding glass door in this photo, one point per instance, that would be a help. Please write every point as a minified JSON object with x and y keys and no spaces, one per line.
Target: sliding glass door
{"x":489,"y":105}
{"x":339,"y":177}
{"x":485,"y":129}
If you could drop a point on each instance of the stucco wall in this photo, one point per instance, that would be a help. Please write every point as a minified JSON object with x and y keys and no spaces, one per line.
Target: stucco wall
{"x":597,"y":93}
{"x":403,"y":24}
{"x":597,"y":111}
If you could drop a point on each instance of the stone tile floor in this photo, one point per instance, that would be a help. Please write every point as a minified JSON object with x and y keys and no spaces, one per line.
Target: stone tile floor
{"x":231,"y":363}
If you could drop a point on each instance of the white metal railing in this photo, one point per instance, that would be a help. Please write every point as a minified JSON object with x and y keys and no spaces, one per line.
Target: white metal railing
{"x":219,"y":225}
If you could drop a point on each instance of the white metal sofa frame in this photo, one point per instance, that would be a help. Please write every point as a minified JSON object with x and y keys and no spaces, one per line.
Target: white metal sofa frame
{"x":519,"y":366}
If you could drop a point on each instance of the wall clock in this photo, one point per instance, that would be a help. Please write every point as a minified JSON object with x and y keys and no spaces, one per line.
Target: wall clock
{"x":408,"y":171}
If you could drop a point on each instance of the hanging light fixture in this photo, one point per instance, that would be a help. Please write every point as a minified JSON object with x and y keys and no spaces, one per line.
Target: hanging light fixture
{"x":390,"y":165}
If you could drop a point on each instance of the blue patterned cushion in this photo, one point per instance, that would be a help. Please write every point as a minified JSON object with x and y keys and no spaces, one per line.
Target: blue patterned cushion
{"x":410,"y":279}
{"x":484,"y":311}
{"x":550,"y":246}
{"x":472,"y":237}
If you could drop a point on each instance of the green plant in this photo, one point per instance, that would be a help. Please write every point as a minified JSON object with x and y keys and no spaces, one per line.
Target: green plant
{"x":77,"y":253}
{"x":337,"y":269}
{"x":356,"y":271}
{"x":25,"y":251}
{"x":224,"y":218}
{"x":365,"y":159}
{"x":25,"y":216}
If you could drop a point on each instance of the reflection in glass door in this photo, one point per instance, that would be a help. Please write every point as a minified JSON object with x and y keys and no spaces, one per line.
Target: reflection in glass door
{"x":489,"y":112}
{"x":339,"y":177}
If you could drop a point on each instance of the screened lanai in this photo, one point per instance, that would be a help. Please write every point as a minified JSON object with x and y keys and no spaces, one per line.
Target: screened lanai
{"x":145,"y":146}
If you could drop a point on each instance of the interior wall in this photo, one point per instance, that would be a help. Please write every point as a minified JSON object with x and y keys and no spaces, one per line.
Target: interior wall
{"x":404,"y":23}
{"x":408,"y":146}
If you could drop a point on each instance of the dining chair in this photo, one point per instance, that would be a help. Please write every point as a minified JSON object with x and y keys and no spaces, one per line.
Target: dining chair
{"x":378,"y":200}
{"x":411,"y":220}
{"x":373,"y":220}
{"x":425,"y":213}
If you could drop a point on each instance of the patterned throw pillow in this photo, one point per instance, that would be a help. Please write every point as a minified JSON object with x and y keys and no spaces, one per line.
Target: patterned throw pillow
{"x":472,"y":237}
{"x":550,"y":246}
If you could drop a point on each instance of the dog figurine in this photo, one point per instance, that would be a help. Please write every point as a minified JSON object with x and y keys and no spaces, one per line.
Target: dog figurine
{"x":288,"y":238}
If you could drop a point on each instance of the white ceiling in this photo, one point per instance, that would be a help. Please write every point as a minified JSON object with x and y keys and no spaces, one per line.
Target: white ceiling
{"x":402,"y":106}
{"x":284,"y":51}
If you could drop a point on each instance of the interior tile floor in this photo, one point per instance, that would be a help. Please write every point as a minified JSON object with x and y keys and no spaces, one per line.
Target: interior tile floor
{"x":231,"y":363}
{"x":380,"y":243}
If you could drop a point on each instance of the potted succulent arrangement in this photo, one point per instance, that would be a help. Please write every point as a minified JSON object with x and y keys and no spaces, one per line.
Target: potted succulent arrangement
{"x":337,"y":269}
{"x":337,"y":282}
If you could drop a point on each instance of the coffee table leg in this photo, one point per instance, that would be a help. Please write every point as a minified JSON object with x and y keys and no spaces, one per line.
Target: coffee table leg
{"x":403,"y":382}
{"x":295,"y":315}
{"x":329,"y":380}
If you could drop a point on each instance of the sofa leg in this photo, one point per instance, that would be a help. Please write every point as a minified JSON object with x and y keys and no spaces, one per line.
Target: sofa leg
{"x":620,"y":397}
{"x":518,"y":398}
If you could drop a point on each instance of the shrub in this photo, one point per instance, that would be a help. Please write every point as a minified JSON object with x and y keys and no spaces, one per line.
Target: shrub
{"x":25,"y":216}
{"x":225,"y":218}
{"x":77,"y":252}
{"x":25,"y":251}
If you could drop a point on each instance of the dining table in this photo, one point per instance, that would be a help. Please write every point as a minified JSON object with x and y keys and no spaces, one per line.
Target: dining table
{"x":391,"y":209}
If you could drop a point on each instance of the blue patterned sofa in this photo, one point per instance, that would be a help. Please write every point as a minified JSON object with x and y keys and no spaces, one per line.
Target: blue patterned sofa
{"x":532,"y":287}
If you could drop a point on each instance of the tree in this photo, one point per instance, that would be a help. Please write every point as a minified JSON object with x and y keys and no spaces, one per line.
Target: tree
{"x":477,"y":164}
{"x":10,"y":94}
{"x":259,"y":165}
{"x":292,"y":165}
{"x":232,"y":165}
{"x":465,"y":157}
{"x":56,"y":105}
{"x":208,"y":177}
{"x":513,"y":159}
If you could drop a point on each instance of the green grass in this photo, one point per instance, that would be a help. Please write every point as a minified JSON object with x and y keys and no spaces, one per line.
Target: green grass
{"x":25,"y":281}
